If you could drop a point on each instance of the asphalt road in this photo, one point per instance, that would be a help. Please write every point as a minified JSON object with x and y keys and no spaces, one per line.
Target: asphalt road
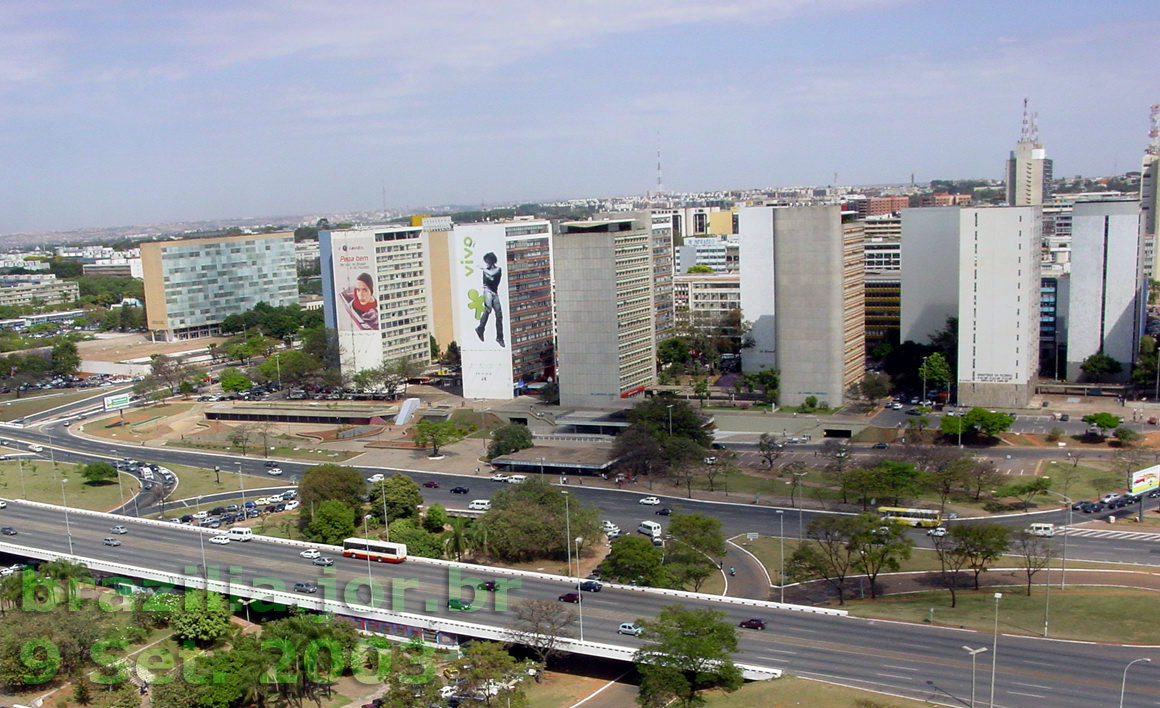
{"x":926,"y":662}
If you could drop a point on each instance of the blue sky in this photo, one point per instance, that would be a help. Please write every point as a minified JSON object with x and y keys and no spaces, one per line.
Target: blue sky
{"x":134,"y":111}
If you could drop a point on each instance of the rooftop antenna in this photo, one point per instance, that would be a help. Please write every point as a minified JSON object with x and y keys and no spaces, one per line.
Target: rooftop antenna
{"x":1154,"y":133}
{"x":660,"y":177}
{"x":1025,"y":131}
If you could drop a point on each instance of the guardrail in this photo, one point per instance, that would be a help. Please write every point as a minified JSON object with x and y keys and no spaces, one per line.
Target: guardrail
{"x":322,"y":604}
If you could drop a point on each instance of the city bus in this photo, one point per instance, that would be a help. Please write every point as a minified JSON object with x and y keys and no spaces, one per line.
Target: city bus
{"x":380,"y":551}
{"x":929,"y":518}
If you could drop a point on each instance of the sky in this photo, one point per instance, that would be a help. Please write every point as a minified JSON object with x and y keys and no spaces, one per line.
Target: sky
{"x":117,"y":112}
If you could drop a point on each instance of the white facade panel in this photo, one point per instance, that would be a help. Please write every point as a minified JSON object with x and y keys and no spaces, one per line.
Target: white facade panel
{"x":481,"y":309}
{"x":755,"y":233}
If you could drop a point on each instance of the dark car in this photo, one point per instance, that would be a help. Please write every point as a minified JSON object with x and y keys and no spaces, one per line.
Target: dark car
{"x":754,"y":623}
{"x":232,"y":507}
{"x":270,"y":509}
{"x":664,"y":511}
{"x":881,"y":446}
{"x":187,"y":518}
{"x":569,"y":597}
{"x":218,"y":510}
{"x":8,"y":531}
{"x":913,"y":411}
{"x":271,"y":463}
{"x":305,"y":587}
{"x":1064,"y":417}
{"x":431,"y":484}
{"x":1155,"y":493}
{"x":590,"y":586}
{"x":489,"y":586}
{"x":460,"y":490}
{"x":1079,"y":505}
{"x":279,"y":507}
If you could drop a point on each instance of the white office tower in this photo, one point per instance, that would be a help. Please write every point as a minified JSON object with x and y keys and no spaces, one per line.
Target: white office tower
{"x":980,"y":265}
{"x":1028,"y":169}
{"x":801,"y":287}
{"x":1107,"y":297}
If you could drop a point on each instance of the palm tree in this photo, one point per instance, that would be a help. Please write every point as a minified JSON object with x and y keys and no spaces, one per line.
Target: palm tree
{"x":68,"y":573}
{"x":457,"y":539}
{"x":11,"y":591}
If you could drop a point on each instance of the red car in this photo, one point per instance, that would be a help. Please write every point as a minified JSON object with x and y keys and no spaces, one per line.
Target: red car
{"x":754,"y":623}
{"x":569,"y":597}
{"x":431,"y":484}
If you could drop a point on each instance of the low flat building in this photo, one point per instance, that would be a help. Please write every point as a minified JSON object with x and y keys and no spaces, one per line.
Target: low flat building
{"x":38,"y":289}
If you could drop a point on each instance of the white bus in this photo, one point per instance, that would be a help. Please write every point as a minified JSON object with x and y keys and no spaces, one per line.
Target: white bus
{"x":912,"y":517}
{"x":381,"y":551}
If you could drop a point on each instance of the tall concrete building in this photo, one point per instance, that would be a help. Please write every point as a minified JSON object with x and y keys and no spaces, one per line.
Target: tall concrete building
{"x":1028,"y":169}
{"x":706,"y":301}
{"x":1107,"y":298}
{"x":503,"y":346}
{"x":606,"y":330}
{"x":192,"y":285}
{"x":980,"y":265}
{"x":802,"y":288}
{"x":663,"y":256}
{"x":1149,"y":209}
{"x":374,"y":290}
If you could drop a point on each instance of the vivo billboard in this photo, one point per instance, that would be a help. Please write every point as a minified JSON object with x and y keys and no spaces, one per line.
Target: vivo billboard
{"x":352,"y":298}
{"x":480,"y":311}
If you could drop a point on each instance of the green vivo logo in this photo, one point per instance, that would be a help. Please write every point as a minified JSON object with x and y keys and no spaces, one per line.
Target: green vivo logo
{"x":475,"y":302}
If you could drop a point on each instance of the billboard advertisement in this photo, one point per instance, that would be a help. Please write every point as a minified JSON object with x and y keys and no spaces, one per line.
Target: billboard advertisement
{"x":480,"y":309}
{"x":1145,"y":480}
{"x":352,"y":289}
{"x":120,"y":400}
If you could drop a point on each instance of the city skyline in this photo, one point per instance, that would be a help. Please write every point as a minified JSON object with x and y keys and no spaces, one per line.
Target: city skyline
{"x":141,"y":113}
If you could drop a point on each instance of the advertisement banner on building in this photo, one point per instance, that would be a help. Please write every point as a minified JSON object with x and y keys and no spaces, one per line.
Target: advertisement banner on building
{"x":356,"y":301}
{"x":1145,"y":480}
{"x":480,"y":309}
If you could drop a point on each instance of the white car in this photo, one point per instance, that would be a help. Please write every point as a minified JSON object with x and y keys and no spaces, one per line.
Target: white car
{"x":310,"y":553}
{"x":201,"y":515}
{"x":517,"y":479}
{"x":649,"y":501}
{"x":276,"y":471}
{"x":221,"y":540}
{"x":375,"y":478}
{"x":938,"y":531}
{"x":3,"y":504}
{"x":292,"y":505}
{"x":498,"y":477}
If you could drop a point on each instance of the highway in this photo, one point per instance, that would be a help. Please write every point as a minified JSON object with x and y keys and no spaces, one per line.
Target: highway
{"x":923,"y":662}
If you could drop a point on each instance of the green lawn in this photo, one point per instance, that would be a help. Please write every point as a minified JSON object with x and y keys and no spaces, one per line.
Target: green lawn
{"x":1087,"y":483}
{"x":41,"y":483}
{"x":303,"y":452}
{"x":559,"y":689}
{"x":790,"y":691}
{"x":11,"y":409}
{"x":1094,"y":614}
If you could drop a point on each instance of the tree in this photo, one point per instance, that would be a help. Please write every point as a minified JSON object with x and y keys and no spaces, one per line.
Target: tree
{"x":701,"y":389}
{"x":69,"y":574}
{"x":332,"y":522}
{"x":452,"y":357}
{"x":399,"y":495}
{"x":636,"y":561}
{"x":697,"y":547}
{"x":512,"y":437}
{"x":293,"y":367}
{"x":982,"y":474}
{"x":769,"y":449}
{"x":330,"y":481}
{"x":669,"y":416}
{"x":765,"y":380}
{"x":1034,"y":552}
{"x":952,"y":558}
{"x":437,"y":434}
{"x":686,"y":652}
{"x":637,"y":451}
{"x":529,"y":521}
{"x":898,"y":480}
{"x":457,"y":538}
{"x":96,"y":473}
{"x":420,"y":542}
{"x":233,"y":380}
{"x":1026,"y":491}
{"x":541,"y":624}
{"x":486,"y":669}
{"x":1103,"y":421}
{"x":828,"y":554}
{"x":874,"y":386}
{"x":81,"y":692}
{"x":202,"y":617}
{"x":935,"y":370}
{"x":945,"y":479}
{"x":674,"y":350}
{"x":65,"y":358}
{"x":435,"y":519}
{"x":168,"y":372}
{"x":240,"y":437}
{"x":1126,"y":435}
{"x":981,"y":543}
{"x":878,"y":547}
{"x":1099,"y":365}
{"x":989,"y":423}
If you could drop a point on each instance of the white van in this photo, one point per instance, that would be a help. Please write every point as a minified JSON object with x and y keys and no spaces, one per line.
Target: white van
{"x":650,"y":528}
{"x":480,"y":505}
{"x":240,"y":534}
{"x":517,"y":479}
{"x":1041,"y":529}
{"x":35,"y":448}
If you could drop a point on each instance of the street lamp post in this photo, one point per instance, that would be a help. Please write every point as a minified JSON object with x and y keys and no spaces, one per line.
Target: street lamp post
{"x":201,"y":542}
{"x":67,"y":527}
{"x":579,"y":591}
{"x":781,"y":554}
{"x":995,"y":648}
{"x":370,"y":581}
{"x":23,"y":491}
{"x":242,"y":483}
{"x":973,"y":653}
{"x":923,"y":370}
{"x":670,"y":407}
{"x":1124,"y":682}
{"x":541,"y":468}
{"x":1063,"y":563}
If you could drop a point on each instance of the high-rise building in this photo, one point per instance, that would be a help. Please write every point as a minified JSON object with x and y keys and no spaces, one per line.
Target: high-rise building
{"x":1107,"y":299}
{"x":709,"y":251}
{"x":192,"y":285}
{"x":1028,"y":175}
{"x":374,"y":290}
{"x":705,"y":302}
{"x":980,"y":265}
{"x":606,"y":330}
{"x":1149,"y":209}
{"x":497,"y":277}
{"x":802,"y":288}
{"x":664,"y":315}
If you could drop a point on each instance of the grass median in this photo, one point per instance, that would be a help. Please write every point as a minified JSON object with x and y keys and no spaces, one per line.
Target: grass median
{"x":14,"y":408}
{"x":792,"y":691}
{"x":40,"y":481}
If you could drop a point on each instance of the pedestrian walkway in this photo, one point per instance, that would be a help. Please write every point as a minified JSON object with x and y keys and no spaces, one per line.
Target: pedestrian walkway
{"x":1109,"y":533}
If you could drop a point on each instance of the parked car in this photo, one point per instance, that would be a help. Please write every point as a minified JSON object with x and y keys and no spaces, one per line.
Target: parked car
{"x":220,"y":540}
{"x":460,"y":490}
{"x":753,"y":623}
{"x":629,"y":628}
{"x":573,"y":597}
{"x":649,"y":501}
{"x":431,"y":484}
{"x":292,"y":505}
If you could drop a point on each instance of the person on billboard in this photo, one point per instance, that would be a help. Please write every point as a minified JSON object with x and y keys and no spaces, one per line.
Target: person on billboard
{"x":492,"y":274}
{"x":361,"y":303}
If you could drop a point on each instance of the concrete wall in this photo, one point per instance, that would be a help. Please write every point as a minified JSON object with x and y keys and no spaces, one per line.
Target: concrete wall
{"x":930,"y":271}
{"x":755,"y":229}
{"x":586,"y":341}
{"x":1104,"y":290}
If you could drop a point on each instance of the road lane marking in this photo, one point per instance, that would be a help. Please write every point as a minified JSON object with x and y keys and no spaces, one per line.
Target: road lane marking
{"x":894,"y":676}
{"x":1021,"y":693}
{"x":1035,"y":685}
{"x":900,"y":668}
